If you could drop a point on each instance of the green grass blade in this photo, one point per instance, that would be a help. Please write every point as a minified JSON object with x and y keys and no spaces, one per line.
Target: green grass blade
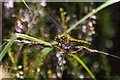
{"x":91,"y":13}
{"x":23,"y":36}
{"x":83,"y":64}
{"x":9,"y":44}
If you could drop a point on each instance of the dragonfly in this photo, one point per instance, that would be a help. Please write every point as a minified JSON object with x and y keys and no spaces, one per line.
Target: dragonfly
{"x":64,"y":39}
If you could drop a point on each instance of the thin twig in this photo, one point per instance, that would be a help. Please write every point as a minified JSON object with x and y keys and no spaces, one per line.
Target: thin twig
{"x":26,"y":5}
{"x":28,"y":42}
{"x":93,"y":51}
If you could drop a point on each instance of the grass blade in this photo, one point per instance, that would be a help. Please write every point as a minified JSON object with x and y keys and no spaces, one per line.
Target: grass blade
{"x":9,"y":44}
{"x":83,"y":64}
{"x":110,"y":2}
{"x":23,"y":36}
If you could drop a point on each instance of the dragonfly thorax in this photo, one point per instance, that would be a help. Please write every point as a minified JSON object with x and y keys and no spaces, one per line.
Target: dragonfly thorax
{"x":64,"y":39}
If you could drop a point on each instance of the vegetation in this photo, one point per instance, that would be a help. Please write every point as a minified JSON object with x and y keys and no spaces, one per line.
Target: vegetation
{"x":34,"y":51}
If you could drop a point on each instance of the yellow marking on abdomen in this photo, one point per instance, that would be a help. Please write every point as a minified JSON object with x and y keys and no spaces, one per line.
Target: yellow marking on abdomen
{"x":82,"y":41}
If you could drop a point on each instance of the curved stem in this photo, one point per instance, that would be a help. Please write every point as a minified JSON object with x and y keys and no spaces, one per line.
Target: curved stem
{"x":91,"y":13}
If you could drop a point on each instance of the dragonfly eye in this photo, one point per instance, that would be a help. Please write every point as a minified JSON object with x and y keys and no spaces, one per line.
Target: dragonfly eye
{"x":57,"y":38}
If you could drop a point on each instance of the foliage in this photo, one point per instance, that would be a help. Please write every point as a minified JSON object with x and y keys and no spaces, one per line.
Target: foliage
{"x":45,"y":59}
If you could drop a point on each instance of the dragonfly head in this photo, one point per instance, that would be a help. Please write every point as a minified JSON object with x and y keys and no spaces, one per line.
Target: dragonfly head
{"x":57,"y":38}
{"x":61,"y":38}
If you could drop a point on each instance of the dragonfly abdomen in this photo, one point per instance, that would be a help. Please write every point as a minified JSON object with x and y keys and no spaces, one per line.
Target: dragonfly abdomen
{"x":81,"y":41}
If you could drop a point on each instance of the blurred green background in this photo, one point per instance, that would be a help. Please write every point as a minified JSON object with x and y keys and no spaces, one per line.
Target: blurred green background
{"x":32,"y":58}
